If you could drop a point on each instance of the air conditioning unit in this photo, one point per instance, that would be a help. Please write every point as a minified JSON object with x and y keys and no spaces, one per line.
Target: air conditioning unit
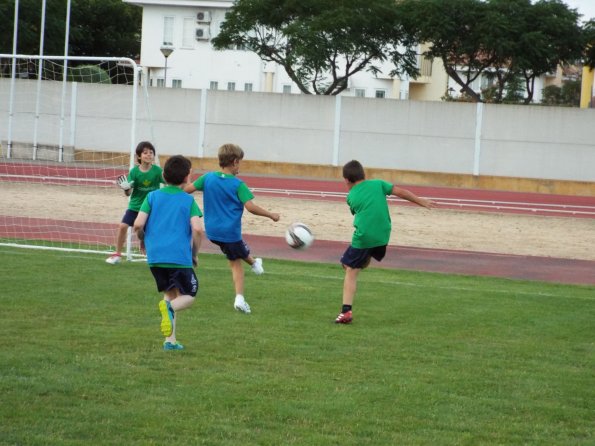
{"x":202,"y":33}
{"x":203,"y":16}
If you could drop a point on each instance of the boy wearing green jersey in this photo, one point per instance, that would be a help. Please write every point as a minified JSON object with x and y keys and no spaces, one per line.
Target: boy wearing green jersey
{"x":143,"y":178}
{"x":367,"y":202}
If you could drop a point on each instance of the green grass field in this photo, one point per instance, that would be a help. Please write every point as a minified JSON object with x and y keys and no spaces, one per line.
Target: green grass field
{"x":430,"y":359}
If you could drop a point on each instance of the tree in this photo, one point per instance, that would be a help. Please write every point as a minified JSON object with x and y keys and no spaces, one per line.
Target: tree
{"x":320,"y":44}
{"x":455,"y":29}
{"x":97,"y":28}
{"x":589,"y":33}
{"x":553,"y":37}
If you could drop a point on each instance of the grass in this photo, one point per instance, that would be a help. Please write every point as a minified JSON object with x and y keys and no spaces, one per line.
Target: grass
{"x":430,"y":358}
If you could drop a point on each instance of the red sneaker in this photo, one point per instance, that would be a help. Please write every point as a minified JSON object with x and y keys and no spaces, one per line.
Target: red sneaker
{"x":344,"y":318}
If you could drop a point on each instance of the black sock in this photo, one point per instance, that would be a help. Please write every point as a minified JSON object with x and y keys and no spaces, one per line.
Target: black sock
{"x":345,"y":308}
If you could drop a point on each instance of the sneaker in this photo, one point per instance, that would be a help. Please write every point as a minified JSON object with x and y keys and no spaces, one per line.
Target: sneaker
{"x":344,"y":318}
{"x":257,"y":267}
{"x":167,"y":317}
{"x":114,"y":259}
{"x":242,"y":305}
{"x":172,"y":346}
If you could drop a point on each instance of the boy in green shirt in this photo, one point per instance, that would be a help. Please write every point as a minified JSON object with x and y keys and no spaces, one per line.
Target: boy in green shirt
{"x":367,"y":202}
{"x":142,"y":179}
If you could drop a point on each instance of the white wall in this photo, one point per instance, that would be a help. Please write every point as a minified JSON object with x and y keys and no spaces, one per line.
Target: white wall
{"x":515,"y":141}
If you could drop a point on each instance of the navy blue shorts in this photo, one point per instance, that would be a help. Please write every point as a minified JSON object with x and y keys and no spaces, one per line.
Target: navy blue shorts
{"x":184,"y":279}
{"x":129,"y":217}
{"x":360,"y":257}
{"x":233,"y":250}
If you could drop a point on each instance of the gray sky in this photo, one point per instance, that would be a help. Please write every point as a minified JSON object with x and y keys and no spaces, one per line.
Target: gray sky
{"x":585,"y":7}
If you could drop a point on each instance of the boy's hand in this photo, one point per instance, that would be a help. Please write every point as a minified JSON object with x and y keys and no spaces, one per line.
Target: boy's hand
{"x":275,"y":216}
{"x":123,"y":183}
{"x":428,"y":204}
{"x":195,"y":260}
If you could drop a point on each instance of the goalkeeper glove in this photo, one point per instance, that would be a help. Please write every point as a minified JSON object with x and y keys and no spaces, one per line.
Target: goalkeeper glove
{"x":123,"y":183}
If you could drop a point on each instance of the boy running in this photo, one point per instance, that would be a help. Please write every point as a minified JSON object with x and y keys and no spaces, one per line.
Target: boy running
{"x":169,"y":227}
{"x":224,"y":198}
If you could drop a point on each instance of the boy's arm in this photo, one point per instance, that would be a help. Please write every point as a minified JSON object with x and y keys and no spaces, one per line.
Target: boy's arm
{"x":197,"y":235}
{"x":189,"y":188}
{"x":410,"y":196}
{"x":257,"y":210}
{"x":139,"y":227}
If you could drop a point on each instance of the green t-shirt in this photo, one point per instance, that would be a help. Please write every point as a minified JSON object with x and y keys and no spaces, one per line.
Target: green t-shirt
{"x":144,"y":182}
{"x":367,"y":202}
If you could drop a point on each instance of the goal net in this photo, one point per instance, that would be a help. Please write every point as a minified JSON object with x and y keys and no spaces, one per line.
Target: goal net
{"x":68,"y":128}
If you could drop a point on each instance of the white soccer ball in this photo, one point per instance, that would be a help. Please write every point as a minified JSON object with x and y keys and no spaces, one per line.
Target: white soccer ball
{"x":299,"y":236}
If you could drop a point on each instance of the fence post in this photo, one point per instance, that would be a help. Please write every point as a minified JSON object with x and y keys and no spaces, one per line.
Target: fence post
{"x":477,"y":150}
{"x":337,"y":130}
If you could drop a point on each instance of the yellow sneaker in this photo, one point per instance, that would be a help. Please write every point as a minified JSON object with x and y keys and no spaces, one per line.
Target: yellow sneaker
{"x":167,"y":317}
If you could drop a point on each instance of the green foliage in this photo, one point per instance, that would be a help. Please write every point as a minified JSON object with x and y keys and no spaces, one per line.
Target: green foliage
{"x":97,"y":28}
{"x":589,"y":56}
{"x":320,"y":44}
{"x":509,"y":38}
{"x":430,"y":358}
{"x":88,"y":73}
{"x":569,"y":95}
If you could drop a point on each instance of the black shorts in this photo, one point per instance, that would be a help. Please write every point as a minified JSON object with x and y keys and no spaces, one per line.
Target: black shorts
{"x":360,"y":257}
{"x":233,"y":250}
{"x":184,"y":279}
{"x":129,"y":217}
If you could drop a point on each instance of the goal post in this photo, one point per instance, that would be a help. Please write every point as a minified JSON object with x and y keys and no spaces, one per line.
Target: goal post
{"x":68,"y":127}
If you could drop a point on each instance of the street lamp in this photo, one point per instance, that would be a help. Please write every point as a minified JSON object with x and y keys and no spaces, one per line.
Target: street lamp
{"x":166,"y":51}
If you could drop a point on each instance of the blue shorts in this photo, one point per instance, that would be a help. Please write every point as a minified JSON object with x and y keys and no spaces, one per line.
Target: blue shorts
{"x":360,"y":257}
{"x":184,"y":279}
{"x":129,"y":217}
{"x":233,"y":250}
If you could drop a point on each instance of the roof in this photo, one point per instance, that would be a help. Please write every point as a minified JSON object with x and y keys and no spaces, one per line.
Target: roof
{"x":191,"y":3}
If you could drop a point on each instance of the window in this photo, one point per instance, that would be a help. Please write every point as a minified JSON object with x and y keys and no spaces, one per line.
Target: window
{"x":360,"y":92}
{"x":168,"y":31}
{"x":188,"y":33}
{"x":286,"y":88}
{"x":176,"y":83}
{"x":247,"y":87}
{"x":161,"y":82}
{"x":214,"y":85}
{"x":231,"y":86}
{"x":380,"y":94}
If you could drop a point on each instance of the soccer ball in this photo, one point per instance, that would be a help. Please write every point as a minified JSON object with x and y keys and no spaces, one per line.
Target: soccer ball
{"x":299,"y":236}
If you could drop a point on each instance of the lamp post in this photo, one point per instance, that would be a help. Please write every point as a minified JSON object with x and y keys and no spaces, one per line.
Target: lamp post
{"x":166,"y":51}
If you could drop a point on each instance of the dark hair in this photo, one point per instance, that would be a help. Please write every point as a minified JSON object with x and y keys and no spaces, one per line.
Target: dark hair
{"x":228,"y":153}
{"x":142,"y":146}
{"x":176,"y":169}
{"x":353,"y":171}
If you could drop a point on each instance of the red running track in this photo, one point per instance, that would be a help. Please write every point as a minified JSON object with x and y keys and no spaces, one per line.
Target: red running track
{"x":420,"y":259}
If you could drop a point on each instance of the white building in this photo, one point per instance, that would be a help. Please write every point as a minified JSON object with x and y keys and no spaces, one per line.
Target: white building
{"x":186,"y":26}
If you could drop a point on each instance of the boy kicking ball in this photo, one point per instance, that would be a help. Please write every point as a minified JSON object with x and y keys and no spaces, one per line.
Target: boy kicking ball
{"x":169,"y":226}
{"x":367,"y":202}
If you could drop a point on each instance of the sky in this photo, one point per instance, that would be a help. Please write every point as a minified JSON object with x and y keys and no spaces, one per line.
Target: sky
{"x":585,"y":7}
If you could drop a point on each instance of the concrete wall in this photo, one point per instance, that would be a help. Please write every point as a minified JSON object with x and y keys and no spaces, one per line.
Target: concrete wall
{"x":454,"y":138}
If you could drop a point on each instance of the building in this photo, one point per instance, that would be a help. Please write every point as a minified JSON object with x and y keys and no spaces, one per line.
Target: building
{"x":176,"y":51}
{"x":187,"y":26}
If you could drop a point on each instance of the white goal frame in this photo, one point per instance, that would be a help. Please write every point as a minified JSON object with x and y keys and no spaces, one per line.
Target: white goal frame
{"x":67,"y":119}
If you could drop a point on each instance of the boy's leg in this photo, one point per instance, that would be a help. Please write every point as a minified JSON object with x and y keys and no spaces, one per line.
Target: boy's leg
{"x":349,"y":289}
{"x":121,"y":233}
{"x":350,"y":285}
{"x":237,"y":272}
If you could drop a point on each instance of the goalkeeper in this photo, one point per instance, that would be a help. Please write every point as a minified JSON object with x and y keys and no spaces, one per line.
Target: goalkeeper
{"x":142,"y":179}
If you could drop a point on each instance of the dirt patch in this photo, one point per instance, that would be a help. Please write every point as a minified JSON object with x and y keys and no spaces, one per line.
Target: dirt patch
{"x":561,"y":237}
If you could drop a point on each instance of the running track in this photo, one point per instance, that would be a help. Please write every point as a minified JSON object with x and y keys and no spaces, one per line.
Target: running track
{"x":399,"y":257}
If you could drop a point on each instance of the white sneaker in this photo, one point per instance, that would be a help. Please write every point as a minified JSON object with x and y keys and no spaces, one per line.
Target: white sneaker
{"x":257,"y":267}
{"x":113,"y":259}
{"x":241,"y":305}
